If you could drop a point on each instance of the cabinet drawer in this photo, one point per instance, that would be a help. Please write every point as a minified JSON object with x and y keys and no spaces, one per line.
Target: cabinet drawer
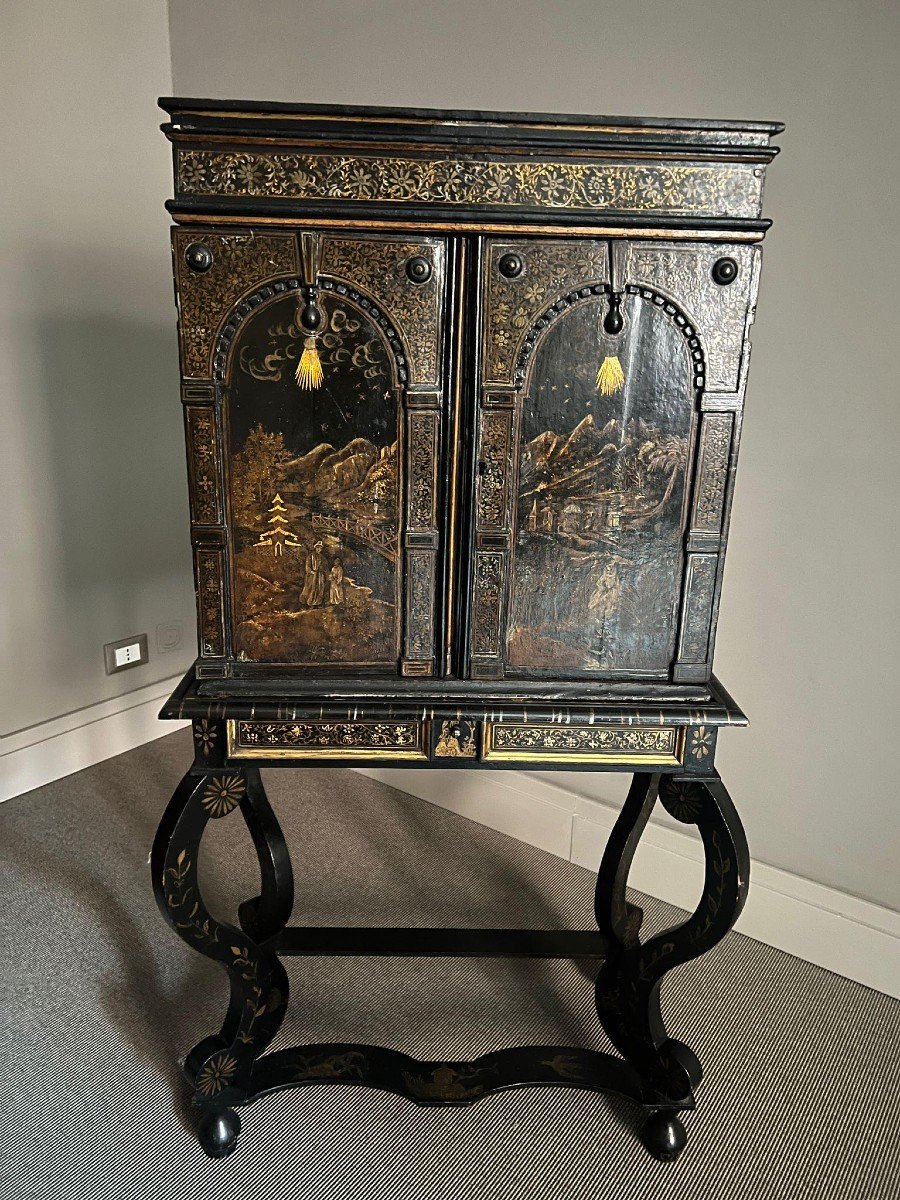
{"x":656,"y":746}
{"x":458,"y":739}
{"x":327,"y":739}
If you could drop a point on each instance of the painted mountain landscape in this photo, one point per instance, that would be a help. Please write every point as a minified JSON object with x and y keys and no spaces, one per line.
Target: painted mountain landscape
{"x":601,"y":490}
{"x":314,"y":499}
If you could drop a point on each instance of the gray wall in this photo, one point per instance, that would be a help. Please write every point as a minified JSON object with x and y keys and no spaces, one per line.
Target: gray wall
{"x":808,"y":638}
{"x":92,"y":487}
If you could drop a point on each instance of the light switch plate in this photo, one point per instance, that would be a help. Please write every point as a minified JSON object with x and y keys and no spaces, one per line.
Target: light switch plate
{"x":127,"y":652}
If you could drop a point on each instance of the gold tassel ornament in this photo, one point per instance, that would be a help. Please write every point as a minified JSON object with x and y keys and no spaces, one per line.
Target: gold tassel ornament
{"x":310,"y":320}
{"x":610,"y":377}
{"x":309,"y":369}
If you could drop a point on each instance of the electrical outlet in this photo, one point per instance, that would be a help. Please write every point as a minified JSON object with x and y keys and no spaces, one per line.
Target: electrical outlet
{"x":168,"y":636}
{"x":128,"y":652}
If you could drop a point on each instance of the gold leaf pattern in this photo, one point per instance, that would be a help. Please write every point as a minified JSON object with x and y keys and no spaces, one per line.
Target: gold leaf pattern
{"x":719,"y":314}
{"x":205,"y":734}
{"x":551,"y":269}
{"x":379,"y":268}
{"x":713,"y":471}
{"x":493,"y":469}
{"x":422,"y":469}
{"x":222,"y":794}
{"x":216,"y":1074}
{"x":582,"y":738}
{"x":420,"y":604}
{"x":701,"y":742}
{"x":241,"y":262}
{"x":330,"y":734}
{"x":698,"y":606}
{"x":599,"y":185}
{"x":203,"y":461}
{"x":209,"y":602}
{"x":488,"y":585}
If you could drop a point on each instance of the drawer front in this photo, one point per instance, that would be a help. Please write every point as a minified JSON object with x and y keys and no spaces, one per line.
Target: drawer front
{"x":327,"y":739}
{"x":462,"y":741}
{"x":527,"y":743}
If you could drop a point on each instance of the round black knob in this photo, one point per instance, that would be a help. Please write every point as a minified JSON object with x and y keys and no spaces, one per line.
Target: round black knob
{"x":418,"y":269}
{"x":510,"y":265}
{"x":725,"y":271}
{"x":198,"y":257}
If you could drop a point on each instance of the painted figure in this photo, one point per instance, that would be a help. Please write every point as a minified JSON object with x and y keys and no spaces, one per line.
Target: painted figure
{"x":313,"y":593}
{"x":607,"y":589}
{"x":336,"y":583}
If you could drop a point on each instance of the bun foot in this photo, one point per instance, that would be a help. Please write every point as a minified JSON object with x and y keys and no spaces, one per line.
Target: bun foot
{"x":664,"y":1135}
{"x":218,"y":1132}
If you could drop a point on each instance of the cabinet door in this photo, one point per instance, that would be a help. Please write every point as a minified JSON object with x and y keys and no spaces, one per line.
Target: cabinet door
{"x":331,"y":532}
{"x":582,"y":494}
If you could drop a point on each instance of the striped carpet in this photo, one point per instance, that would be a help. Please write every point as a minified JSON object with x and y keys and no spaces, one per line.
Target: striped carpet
{"x":801,"y":1098}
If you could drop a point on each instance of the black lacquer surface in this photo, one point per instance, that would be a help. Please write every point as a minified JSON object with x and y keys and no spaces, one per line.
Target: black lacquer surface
{"x":485,"y":529}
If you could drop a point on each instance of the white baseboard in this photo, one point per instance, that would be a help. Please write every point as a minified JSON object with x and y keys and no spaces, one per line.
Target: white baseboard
{"x":833,"y":929}
{"x":36,"y":756}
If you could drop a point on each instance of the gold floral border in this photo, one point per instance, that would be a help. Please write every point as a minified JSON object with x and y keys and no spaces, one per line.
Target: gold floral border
{"x":621,"y":186}
{"x":583,"y":743}
{"x":326,"y":739}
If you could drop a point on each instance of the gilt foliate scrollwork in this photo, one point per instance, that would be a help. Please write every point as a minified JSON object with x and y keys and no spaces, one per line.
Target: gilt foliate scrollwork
{"x":720,"y":314}
{"x":582,"y":738}
{"x":330,"y":735}
{"x":551,"y":268}
{"x":379,"y":268}
{"x":488,"y":595}
{"x":210,"y":602}
{"x":241,"y":261}
{"x":420,"y":604}
{"x":599,"y":185}
{"x":715,"y":451}
{"x":701,"y":577}
{"x":203,"y":462}
{"x":493,"y":469}
{"x":422,"y":470}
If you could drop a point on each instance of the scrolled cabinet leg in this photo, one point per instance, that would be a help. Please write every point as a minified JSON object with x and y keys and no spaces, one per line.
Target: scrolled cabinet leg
{"x":270,"y":911}
{"x":627,"y":989}
{"x":219,"y":1066}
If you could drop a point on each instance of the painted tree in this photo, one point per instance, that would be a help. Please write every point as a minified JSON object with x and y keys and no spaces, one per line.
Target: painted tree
{"x":278,"y":534}
{"x":669,"y":459}
{"x":258,"y":471}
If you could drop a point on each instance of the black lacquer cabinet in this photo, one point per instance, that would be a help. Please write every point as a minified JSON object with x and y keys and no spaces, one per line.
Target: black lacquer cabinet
{"x":462,"y":397}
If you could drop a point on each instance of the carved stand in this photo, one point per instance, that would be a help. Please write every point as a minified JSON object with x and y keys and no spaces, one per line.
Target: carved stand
{"x":230,"y":1068}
